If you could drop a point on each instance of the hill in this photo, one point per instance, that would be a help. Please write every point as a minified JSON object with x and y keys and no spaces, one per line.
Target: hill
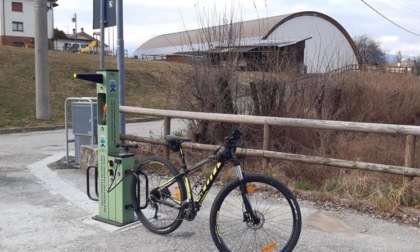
{"x":366,"y":96}
{"x":146,"y":83}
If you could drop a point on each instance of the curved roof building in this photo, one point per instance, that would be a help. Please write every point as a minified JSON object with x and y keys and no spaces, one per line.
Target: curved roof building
{"x":327,"y":45}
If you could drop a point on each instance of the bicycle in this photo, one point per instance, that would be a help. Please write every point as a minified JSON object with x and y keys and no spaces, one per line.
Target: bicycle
{"x":254,"y":212}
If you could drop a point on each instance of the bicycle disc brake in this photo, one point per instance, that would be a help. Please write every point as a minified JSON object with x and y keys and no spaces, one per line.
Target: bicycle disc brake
{"x":256,"y":223}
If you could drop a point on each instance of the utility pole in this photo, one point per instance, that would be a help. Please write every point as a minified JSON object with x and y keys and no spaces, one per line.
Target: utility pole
{"x":102,"y":27}
{"x":74,"y":20}
{"x":121,"y":60}
{"x":41,"y":61}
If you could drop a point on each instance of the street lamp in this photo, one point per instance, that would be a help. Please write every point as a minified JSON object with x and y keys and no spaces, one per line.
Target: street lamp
{"x":52,"y":4}
{"x":74,"y":20}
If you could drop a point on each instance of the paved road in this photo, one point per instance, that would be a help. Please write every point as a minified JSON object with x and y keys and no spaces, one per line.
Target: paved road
{"x":42,"y":209}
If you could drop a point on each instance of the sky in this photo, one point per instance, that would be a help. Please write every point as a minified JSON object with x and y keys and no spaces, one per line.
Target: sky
{"x":145,"y":19}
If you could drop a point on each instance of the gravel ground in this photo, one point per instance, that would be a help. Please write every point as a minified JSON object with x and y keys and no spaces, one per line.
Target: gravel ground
{"x":44,"y":209}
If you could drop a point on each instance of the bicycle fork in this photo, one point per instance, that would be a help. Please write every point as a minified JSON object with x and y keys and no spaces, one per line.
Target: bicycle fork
{"x":249,"y":214}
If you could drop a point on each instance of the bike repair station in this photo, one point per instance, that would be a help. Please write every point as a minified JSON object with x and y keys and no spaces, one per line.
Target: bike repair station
{"x":114,"y":162}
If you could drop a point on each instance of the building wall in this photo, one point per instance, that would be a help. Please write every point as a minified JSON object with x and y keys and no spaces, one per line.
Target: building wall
{"x":59,"y":43}
{"x":327,"y":50}
{"x":17,"y":41}
{"x":26,"y":17}
{"x":329,"y":47}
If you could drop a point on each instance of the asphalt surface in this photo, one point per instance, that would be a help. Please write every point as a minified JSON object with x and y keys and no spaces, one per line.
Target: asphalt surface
{"x":45,"y":209}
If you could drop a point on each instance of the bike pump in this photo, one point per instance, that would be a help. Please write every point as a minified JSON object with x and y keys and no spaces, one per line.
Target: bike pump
{"x":113,"y":164}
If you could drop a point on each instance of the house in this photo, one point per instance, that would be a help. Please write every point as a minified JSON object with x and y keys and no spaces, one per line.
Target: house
{"x":17,"y":19}
{"x":404,"y":66}
{"x":313,"y":42}
{"x":75,"y":42}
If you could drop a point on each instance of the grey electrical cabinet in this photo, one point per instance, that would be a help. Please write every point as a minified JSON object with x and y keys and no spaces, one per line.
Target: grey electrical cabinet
{"x":84,"y":123}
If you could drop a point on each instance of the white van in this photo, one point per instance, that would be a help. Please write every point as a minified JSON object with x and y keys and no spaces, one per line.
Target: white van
{"x":73,"y":47}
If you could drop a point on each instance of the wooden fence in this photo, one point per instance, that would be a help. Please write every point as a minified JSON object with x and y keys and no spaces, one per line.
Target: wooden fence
{"x":408,"y":170}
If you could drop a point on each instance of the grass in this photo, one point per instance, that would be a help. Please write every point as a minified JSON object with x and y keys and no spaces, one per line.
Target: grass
{"x":382,"y":195}
{"x":146,"y":84}
{"x":367,"y":97}
{"x":305,"y":185}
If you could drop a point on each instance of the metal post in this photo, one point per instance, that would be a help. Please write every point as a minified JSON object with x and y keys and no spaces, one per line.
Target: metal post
{"x":120,"y":60}
{"x":102,"y":27}
{"x":74,"y":19}
{"x":3,"y":26}
{"x":41,"y":61}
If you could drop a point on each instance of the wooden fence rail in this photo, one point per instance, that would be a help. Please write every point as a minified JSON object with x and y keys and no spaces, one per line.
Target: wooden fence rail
{"x":410,"y":132}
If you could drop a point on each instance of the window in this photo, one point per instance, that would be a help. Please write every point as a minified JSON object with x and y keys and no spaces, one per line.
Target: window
{"x":18,"y":44}
{"x":17,"y":26}
{"x":18,"y":7}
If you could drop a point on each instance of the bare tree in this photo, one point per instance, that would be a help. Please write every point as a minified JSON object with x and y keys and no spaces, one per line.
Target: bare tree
{"x":370,"y":50}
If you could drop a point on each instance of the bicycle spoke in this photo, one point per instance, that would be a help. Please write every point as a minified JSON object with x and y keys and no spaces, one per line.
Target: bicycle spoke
{"x":159,"y":216}
{"x":275,"y":228}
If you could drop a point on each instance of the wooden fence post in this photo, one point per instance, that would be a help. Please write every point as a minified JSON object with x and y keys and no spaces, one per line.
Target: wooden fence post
{"x":167,"y":131}
{"x":266,"y":144}
{"x":410,"y":147}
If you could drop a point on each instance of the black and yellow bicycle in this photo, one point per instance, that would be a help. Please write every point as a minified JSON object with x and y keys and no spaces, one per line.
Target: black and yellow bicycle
{"x":254,"y":212}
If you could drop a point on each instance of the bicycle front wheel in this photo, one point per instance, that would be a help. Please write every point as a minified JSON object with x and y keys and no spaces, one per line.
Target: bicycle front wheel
{"x":275,"y":206}
{"x":157,"y":202}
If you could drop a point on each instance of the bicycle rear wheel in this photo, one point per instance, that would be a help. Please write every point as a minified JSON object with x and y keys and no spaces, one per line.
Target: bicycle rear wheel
{"x":274,"y":204}
{"x":156,"y":206}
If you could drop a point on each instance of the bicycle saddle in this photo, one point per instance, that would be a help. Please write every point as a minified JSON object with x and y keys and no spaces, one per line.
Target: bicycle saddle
{"x":174,"y":142}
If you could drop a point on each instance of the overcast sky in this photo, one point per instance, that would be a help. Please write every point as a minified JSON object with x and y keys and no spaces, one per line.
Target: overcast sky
{"x":145,"y":19}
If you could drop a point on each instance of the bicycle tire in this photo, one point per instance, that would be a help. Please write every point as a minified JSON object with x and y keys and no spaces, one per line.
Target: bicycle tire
{"x":157,"y":217}
{"x":271,"y":201}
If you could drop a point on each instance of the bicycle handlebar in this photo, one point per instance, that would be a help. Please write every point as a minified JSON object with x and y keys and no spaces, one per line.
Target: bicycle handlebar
{"x":236,"y":135}
{"x":227,"y":150}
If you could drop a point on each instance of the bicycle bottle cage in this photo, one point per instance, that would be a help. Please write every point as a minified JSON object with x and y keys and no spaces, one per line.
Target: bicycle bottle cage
{"x":174,"y":142}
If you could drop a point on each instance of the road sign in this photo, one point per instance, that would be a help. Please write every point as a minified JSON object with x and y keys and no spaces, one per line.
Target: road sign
{"x":110,"y":15}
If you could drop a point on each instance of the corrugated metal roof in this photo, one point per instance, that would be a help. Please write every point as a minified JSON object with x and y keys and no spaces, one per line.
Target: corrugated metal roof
{"x":257,"y":28}
{"x":232,"y":49}
{"x":250,"y":46}
{"x":241,"y":33}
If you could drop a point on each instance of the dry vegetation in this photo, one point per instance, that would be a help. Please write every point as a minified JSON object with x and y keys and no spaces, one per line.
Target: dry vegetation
{"x":376,"y":97}
{"x":144,"y":80}
{"x":362,"y":96}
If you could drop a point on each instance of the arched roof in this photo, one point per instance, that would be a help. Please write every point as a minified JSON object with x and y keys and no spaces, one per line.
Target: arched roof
{"x":325,"y":17}
{"x":251,"y":28}
{"x":261,"y":28}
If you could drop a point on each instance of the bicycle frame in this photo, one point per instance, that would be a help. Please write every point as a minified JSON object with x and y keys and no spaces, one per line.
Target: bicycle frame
{"x":206,"y":187}
{"x":224,"y":154}
{"x":171,"y":199}
{"x":209,"y":183}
